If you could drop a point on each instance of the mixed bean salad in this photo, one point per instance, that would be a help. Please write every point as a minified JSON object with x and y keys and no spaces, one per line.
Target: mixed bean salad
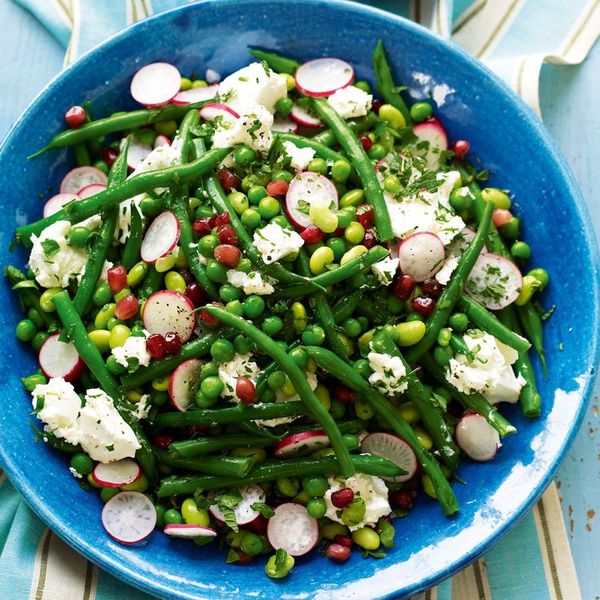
{"x":275,"y":310}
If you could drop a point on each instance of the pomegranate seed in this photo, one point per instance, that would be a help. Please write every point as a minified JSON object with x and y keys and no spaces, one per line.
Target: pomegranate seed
{"x":432,"y":288}
{"x":228,"y":180}
{"x":312,"y":235}
{"x":204,"y":225}
{"x":207,"y":318}
{"x":228,"y":255}
{"x":227,"y":235}
{"x":338,"y":552}
{"x":222,"y":219}
{"x":193,"y":429}
{"x":369,"y":240}
{"x":109,"y":155}
{"x":461,"y":148}
{"x":342,"y":497}
{"x":424,"y":306}
{"x":244,"y":558}
{"x":339,"y":232}
{"x":172,"y":343}
{"x":403,"y":287}
{"x":365,"y":142}
{"x":365,"y":215}
{"x":162,"y":441}
{"x":344,"y":540}
{"x":117,"y":279}
{"x":195,"y":293}
{"x":245,"y":390}
{"x":127,"y":307}
{"x":402,"y":499}
{"x":277,"y":187}
{"x":187,"y":276}
{"x":345,"y":395}
{"x":377,"y":104}
{"x":258,"y":525}
{"x":501,"y":216}
{"x":155,"y":344}
{"x":75,"y":117}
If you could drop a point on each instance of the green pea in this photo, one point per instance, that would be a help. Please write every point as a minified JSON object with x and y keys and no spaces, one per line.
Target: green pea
{"x":173,"y":516}
{"x":366,"y":538}
{"x":272,"y":325}
{"x":102,"y":295}
{"x":100,"y":339}
{"x":222,"y":351}
{"x":338,"y":246}
{"x":354,"y":513}
{"x":215,"y":271}
{"x":345,"y":216}
{"x":136,"y":274}
{"x":212,"y":387}
{"x":459,"y":322}
{"x":392,"y":184}
{"x":377,"y":152}
{"x":460,"y":200}
{"x":160,"y":515}
{"x":340,"y":170}
{"x":300,"y":357}
{"x":314,"y":335}
{"x":203,"y":401}
{"x":209,"y":369}
{"x":149,"y":206}
{"x":250,"y":218}
{"x":351,"y":327}
{"x":268,"y":395}
{"x":242,"y":344}
{"x":245,"y":265}
{"x":239,"y":202}
{"x":46,"y":303}
{"x":319,"y":260}
{"x":444,"y":336}
{"x":354,"y":233}
{"x":362,"y":367}
{"x":542,"y":277}
{"x":34,"y":315}
{"x":38,"y":340}
{"x":207,"y":245}
{"x":256,"y":193}
{"x":113,"y":366}
{"x":276,"y":571}
{"x":520,"y":250}
{"x":244,"y":155}
{"x":78,"y":237}
{"x":168,"y":128}
{"x":101,"y":166}
{"x":276,"y":380}
{"x":512,"y":229}
{"x":352,"y":198}
{"x":317,"y":165}
{"x":390,"y":114}
{"x":499,"y":198}
{"x":315,"y":485}
{"x":283,"y":107}
{"x":251,"y":543}
{"x":269,"y":207}
{"x":159,"y":398}
{"x":235,"y":307}
{"x":228,"y":292}
{"x":205,"y":210}
{"x":25,"y":330}
{"x":316,"y":508}
{"x":287,"y":486}
{"x":82,"y":463}
{"x":254,"y":306}
{"x":420,"y":111}
{"x":363,"y":85}
{"x":283,"y":175}
{"x":442,"y":355}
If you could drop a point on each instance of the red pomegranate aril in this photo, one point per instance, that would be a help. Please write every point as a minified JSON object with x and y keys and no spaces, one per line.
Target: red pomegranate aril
{"x":227,"y":255}
{"x":403,"y":287}
{"x":222,"y":219}
{"x":117,"y":279}
{"x":343,"y":540}
{"x":204,"y":225}
{"x":109,"y":155}
{"x":127,"y":307}
{"x":172,"y":343}
{"x":501,"y":216}
{"x":258,"y":525}
{"x":369,"y":241}
{"x":312,"y":235}
{"x":365,"y":215}
{"x":195,"y":293}
{"x":402,"y":499}
{"x":461,"y":149}
{"x":277,"y":187}
{"x":338,"y":552}
{"x":424,"y":306}
{"x":227,"y":235}
{"x":365,"y":142}
{"x":245,"y":390}
{"x":342,"y":497}
{"x":163,"y":441}
{"x":155,"y":344}
{"x":377,"y":104}
{"x":207,"y":318}
{"x":344,"y":394}
{"x":432,"y":288}
{"x":243,"y":558}
{"x":229,"y":180}
{"x":75,"y":117}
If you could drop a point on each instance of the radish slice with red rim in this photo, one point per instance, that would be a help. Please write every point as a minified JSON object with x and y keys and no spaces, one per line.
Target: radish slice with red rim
{"x":190,"y":532}
{"x":155,"y":84}
{"x":284,"y":126}
{"x":301,"y":444}
{"x":183,"y":383}
{"x":161,"y":237}
{"x":197,"y":94}
{"x":60,"y":359}
{"x":421,"y":255}
{"x":80,"y":177}
{"x":476,"y":437}
{"x":393,"y":448}
{"x":136,"y":152}
{"x":116,"y":474}
{"x":54,"y":204}
{"x":305,"y":117}
{"x":91,"y":190}
{"x":169,"y":311}
{"x":435,"y":135}
{"x":293,"y":529}
{"x":494,"y":281}
{"x":209,"y":112}
{"x":129,"y":517}
{"x":323,"y":76}
{"x":161,"y":140}
{"x":304,"y":189}
{"x":244,"y":513}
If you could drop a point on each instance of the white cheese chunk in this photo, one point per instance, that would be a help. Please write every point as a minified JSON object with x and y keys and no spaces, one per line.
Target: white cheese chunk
{"x":301,"y":157}
{"x":351,"y":102}
{"x":389,"y":373}
{"x":275,"y":242}
{"x":253,"y":128}
{"x":133,"y":352}
{"x":385,"y":269}
{"x":251,"y":283}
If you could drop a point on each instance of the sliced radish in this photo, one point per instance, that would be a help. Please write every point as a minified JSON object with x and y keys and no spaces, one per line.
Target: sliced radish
{"x":136,"y":152}
{"x":393,"y":448}
{"x":494,"y":281}
{"x":284,"y":126}
{"x":435,"y":135}
{"x":421,"y":255}
{"x":209,"y":112}
{"x":301,"y":444}
{"x":60,"y":359}
{"x":161,"y":140}
{"x":161,"y":237}
{"x":323,"y":76}
{"x":304,"y":189}
{"x":169,"y":311}
{"x":91,"y":190}
{"x":183,"y":530}
{"x":305,"y":117}
{"x":244,"y":513}
{"x":80,"y":177}
{"x":197,"y":94}
{"x":116,"y":474}
{"x":54,"y":204}
{"x":184,"y":382}
{"x":155,"y":84}
{"x":293,"y":529}
{"x":476,"y":437}
{"x":129,"y":517}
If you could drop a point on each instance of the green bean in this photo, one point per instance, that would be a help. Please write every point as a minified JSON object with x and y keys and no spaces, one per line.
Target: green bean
{"x":263,"y":376}
{"x":90,"y":354}
{"x":227,"y":466}
{"x":120,"y":122}
{"x":385,"y":82}
{"x":361,"y":163}
{"x":144,"y":182}
{"x":448,"y":298}
{"x":28,"y":295}
{"x":277,"y":62}
{"x":302,"y":467}
{"x":150,"y":284}
{"x":358,"y":126}
{"x":297,"y":378}
{"x":321,"y":150}
{"x":345,"y":373}
{"x":475,"y":402}
{"x":344,"y":308}
{"x":532,"y":326}
{"x":482,"y":318}
{"x":82,"y":155}
{"x":131,"y":251}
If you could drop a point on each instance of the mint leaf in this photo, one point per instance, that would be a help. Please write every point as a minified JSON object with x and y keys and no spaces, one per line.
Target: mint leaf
{"x":50,"y":247}
{"x":264,"y":509}
{"x":232,"y":556}
{"x":373,"y":553}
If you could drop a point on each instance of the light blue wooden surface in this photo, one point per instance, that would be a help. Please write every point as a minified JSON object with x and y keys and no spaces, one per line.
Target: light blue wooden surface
{"x":31,"y":57}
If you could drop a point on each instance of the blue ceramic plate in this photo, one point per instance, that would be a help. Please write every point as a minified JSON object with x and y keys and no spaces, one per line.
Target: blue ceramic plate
{"x":508,"y":140}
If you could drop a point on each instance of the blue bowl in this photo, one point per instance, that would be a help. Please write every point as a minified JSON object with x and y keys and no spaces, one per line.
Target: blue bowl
{"x":508,"y":140}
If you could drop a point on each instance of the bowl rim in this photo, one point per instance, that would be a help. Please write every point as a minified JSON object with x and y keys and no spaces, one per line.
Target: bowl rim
{"x":134,"y":577}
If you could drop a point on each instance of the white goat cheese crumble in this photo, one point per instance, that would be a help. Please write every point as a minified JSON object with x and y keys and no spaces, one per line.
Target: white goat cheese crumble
{"x":275,"y":242}
{"x":389,"y":373}
{"x":351,"y":102}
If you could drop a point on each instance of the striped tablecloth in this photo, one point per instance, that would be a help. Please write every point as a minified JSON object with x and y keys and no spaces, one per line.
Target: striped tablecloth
{"x":514,"y":38}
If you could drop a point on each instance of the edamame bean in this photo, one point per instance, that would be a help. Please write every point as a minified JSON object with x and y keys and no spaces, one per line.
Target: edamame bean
{"x":340,"y":170}
{"x":46,"y":303}
{"x":118,"y":336}
{"x":499,"y":198}
{"x":101,"y":339}
{"x":352,"y":198}
{"x":353,"y":253}
{"x":366,"y":537}
{"x":193,"y":515}
{"x":136,"y":274}
{"x":174,"y":281}
{"x":354,"y":233}
{"x":390,"y":114}
{"x":420,"y":111}
{"x":320,"y":258}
